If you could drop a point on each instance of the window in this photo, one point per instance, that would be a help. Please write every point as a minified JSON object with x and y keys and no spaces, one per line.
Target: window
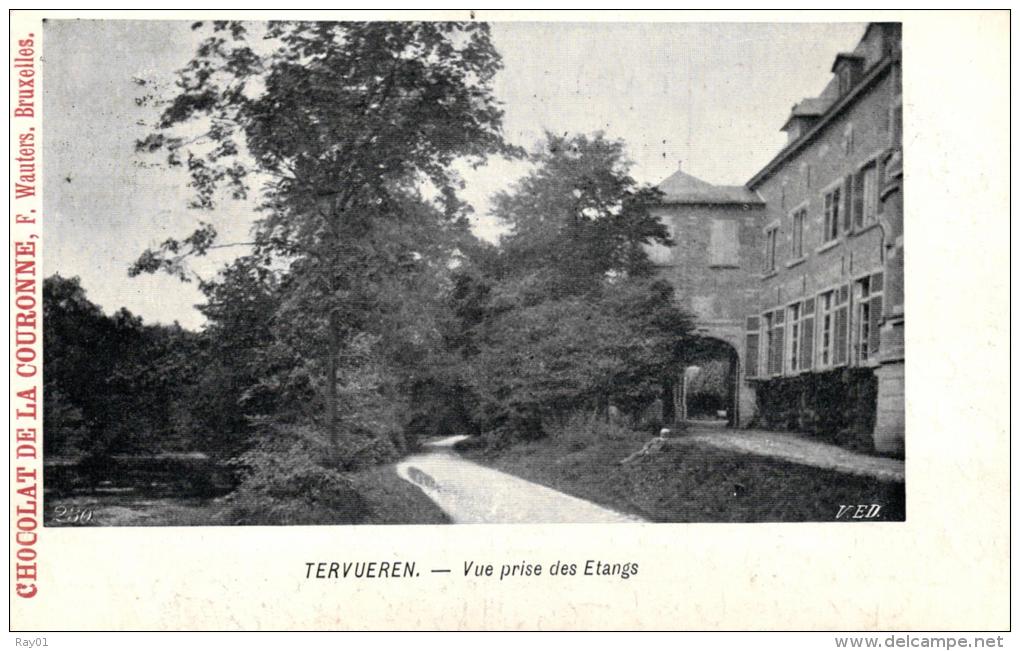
{"x":825,"y":307}
{"x":846,"y":80}
{"x":834,"y":322}
{"x":848,"y":139}
{"x":793,"y":349}
{"x":801,"y":335}
{"x":870,"y":194}
{"x":868,"y":298}
{"x":832,"y":208}
{"x":896,"y":120}
{"x":773,"y":326}
{"x":865,"y":201}
{"x":850,"y":193}
{"x":752,"y":351}
{"x":770,"y":249}
{"x":807,"y":333}
{"x":797,"y":247}
{"x":723,"y":244}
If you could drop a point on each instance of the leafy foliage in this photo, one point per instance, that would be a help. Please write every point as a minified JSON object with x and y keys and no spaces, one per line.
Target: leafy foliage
{"x":346,"y":127}
{"x":566,"y":317}
{"x":110,"y":381}
{"x":286,"y":480}
{"x":580,"y":215}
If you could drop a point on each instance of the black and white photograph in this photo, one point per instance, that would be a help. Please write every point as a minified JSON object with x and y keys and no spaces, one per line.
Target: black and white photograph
{"x":422,"y":272}
{"x":620,"y":294}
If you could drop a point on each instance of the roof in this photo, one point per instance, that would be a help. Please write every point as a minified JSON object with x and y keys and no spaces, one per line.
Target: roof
{"x":809,"y":107}
{"x":846,"y":56}
{"x":812,"y":106}
{"x":877,"y":71}
{"x":684,"y":188}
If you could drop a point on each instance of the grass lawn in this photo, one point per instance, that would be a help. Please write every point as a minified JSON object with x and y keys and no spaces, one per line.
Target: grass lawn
{"x":691,"y":482}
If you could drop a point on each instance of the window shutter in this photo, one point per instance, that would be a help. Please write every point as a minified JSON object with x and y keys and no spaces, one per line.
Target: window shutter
{"x":842,"y":332}
{"x":859,"y":198}
{"x":723,"y":246}
{"x":875,"y":321}
{"x":780,"y":340}
{"x":751,"y":361}
{"x":876,"y":282}
{"x":807,"y":342}
{"x":881,"y":183}
{"x":848,"y":200}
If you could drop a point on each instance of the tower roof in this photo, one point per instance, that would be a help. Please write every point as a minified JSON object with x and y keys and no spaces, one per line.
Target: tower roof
{"x":682,"y":188}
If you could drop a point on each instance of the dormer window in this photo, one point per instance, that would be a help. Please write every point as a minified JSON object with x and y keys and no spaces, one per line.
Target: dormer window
{"x":803,"y":116}
{"x":848,"y":69}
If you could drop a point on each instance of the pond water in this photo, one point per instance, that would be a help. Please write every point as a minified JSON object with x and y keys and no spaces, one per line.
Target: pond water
{"x":133,"y":490}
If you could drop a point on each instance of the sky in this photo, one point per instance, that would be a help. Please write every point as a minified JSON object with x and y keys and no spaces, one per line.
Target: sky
{"x":712,"y":95}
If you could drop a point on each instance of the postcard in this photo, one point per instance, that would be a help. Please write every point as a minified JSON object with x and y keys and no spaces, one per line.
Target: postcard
{"x":473,"y":320}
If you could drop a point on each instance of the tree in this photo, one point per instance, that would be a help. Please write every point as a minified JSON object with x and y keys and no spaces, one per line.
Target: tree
{"x":567,"y":316}
{"x":580,"y":215}
{"x":111,"y":381}
{"x":343,"y":126}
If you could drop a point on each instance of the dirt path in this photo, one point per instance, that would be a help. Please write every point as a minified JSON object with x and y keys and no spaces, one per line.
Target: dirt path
{"x":800,"y":450}
{"x":472,"y":494}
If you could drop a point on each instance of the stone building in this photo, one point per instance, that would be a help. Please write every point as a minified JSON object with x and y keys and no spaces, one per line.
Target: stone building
{"x":798,"y":274}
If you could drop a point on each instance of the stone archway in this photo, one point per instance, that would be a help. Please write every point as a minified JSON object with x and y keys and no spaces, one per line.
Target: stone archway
{"x":707,"y":386}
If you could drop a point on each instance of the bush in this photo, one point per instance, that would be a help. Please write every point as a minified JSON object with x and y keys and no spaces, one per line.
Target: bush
{"x":837,"y":406}
{"x":364,"y":451}
{"x":471,"y":444}
{"x":286,"y":479}
{"x":581,"y":430}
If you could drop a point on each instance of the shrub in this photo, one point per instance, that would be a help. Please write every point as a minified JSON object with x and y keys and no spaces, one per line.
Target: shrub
{"x":581,"y":430}
{"x":470,"y":444}
{"x":836,"y":406}
{"x":364,"y":451}
{"x":286,"y":479}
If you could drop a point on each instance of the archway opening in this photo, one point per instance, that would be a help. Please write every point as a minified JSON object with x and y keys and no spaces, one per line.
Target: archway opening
{"x":704,"y":389}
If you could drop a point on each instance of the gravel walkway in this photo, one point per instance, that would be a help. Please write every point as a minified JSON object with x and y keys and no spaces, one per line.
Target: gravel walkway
{"x":470,"y":493}
{"x":800,"y":450}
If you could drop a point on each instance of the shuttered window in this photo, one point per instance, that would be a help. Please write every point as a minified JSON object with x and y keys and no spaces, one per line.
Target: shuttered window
{"x":868,"y":317}
{"x":723,"y":245}
{"x":751,"y":359}
{"x":752,"y":350}
{"x":794,"y":332}
{"x":849,"y":192}
{"x":777,"y":339}
{"x":858,"y":199}
{"x":875,"y":315}
{"x":807,"y":338}
{"x":896,"y":132}
{"x":841,"y":335}
{"x":826,"y":308}
{"x":797,"y":240}
{"x":833,"y":206}
{"x":869,"y":188}
{"x":770,"y":249}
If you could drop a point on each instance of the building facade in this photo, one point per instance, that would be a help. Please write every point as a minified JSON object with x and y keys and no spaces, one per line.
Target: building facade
{"x":800,"y":271}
